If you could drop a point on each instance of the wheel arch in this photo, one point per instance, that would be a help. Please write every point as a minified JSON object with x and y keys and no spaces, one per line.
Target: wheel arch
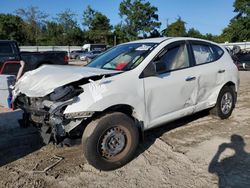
{"x":232,"y":85}
{"x":129,"y":111}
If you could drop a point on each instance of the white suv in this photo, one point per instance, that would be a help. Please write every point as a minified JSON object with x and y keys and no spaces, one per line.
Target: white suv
{"x":128,"y":89}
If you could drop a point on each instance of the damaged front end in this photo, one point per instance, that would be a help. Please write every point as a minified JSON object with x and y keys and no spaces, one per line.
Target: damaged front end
{"x":47,"y":113}
{"x":45,"y":93}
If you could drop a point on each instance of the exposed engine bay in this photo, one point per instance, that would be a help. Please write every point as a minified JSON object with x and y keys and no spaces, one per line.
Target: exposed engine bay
{"x":47,"y":112}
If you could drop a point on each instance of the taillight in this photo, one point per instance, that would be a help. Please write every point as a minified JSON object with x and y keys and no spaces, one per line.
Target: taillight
{"x":66,"y":59}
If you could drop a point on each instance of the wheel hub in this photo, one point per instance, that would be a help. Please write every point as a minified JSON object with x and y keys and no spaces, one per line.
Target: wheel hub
{"x":226,"y":103}
{"x":113,"y":142}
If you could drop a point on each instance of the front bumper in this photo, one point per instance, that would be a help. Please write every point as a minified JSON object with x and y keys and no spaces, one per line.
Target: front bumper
{"x":48,"y":117}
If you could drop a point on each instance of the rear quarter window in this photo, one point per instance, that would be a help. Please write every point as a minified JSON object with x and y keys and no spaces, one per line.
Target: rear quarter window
{"x":218,"y":50}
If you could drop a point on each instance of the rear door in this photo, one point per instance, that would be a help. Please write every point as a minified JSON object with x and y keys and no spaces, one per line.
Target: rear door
{"x":210,"y":71}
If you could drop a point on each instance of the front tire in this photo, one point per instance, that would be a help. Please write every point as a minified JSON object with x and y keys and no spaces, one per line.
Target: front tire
{"x":110,"y":141}
{"x":225,"y":103}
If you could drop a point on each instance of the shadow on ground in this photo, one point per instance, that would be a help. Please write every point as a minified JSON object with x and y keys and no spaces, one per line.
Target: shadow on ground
{"x":19,"y":142}
{"x":232,"y":171}
{"x":16,"y":142}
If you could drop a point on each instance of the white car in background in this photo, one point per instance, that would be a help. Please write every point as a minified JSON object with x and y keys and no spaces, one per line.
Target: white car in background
{"x":88,"y":56}
{"x":128,"y":89}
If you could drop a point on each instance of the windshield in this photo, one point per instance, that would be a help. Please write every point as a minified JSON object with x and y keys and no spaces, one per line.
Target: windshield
{"x":123,"y":57}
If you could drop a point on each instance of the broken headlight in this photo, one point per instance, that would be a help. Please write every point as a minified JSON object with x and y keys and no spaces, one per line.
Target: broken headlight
{"x":65,"y":93}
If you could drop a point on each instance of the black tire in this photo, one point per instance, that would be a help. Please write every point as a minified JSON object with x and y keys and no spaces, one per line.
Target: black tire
{"x":218,"y":109}
{"x":102,"y":134}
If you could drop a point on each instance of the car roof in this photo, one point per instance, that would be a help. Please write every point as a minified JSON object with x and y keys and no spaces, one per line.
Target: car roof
{"x":161,"y":39}
{"x":151,"y":40}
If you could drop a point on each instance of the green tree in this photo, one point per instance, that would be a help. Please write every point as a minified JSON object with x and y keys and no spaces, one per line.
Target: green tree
{"x":239,"y":27}
{"x":67,"y":19}
{"x":53,"y":34}
{"x":12,"y":28}
{"x":192,"y":32}
{"x":98,"y":25}
{"x":120,"y":35}
{"x":140,"y":18}
{"x":176,"y":29}
{"x":88,"y":16}
{"x":242,"y":8}
{"x":34,"y":21}
{"x":71,"y":32}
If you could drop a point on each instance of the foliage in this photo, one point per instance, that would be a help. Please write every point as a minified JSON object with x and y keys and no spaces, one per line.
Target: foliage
{"x":98,"y":25}
{"x":239,"y":27}
{"x":71,"y":33}
{"x":192,"y":32}
{"x":120,"y":34}
{"x":53,"y":34}
{"x":88,"y":16}
{"x":176,"y":29}
{"x":12,"y":28}
{"x":30,"y":26}
{"x":34,"y":21}
{"x":140,"y":18}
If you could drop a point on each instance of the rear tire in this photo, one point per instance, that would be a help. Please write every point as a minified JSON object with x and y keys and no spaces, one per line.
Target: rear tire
{"x":110,"y":141}
{"x":225,"y":103}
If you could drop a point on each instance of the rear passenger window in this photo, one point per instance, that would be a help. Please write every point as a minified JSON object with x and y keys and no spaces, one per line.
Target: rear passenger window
{"x":206,"y":53}
{"x":203,"y":53}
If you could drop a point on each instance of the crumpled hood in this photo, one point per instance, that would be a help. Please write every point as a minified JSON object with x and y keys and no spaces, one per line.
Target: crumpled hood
{"x":43,"y":81}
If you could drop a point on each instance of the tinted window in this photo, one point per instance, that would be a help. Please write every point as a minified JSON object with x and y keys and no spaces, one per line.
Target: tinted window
{"x":218,"y":50}
{"x":5,"y":48}
{"x":173,"y":58}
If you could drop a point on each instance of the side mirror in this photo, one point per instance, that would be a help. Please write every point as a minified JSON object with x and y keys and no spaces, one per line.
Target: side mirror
{"x":160,"y":66}
{"x":150,"y":70}
{"x":153,"y":68}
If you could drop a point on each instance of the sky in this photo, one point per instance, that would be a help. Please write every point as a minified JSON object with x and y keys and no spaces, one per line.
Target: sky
{"x":208,"y":16}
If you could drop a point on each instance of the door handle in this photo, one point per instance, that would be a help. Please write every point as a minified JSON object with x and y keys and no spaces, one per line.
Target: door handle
{"x":221,"y":71}
{"x":190,"y":78}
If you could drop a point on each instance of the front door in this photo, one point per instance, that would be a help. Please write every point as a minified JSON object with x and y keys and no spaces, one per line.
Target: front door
{"x":172,"y":92}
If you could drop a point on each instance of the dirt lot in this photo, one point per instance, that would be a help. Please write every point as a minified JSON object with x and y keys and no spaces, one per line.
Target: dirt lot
{"x":197,"y":151}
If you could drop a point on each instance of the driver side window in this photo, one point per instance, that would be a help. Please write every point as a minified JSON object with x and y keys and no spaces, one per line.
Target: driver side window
{"x":172,"y":58}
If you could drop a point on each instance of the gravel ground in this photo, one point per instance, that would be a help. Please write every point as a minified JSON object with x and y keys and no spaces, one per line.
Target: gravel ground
{"x":196,"y":151}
